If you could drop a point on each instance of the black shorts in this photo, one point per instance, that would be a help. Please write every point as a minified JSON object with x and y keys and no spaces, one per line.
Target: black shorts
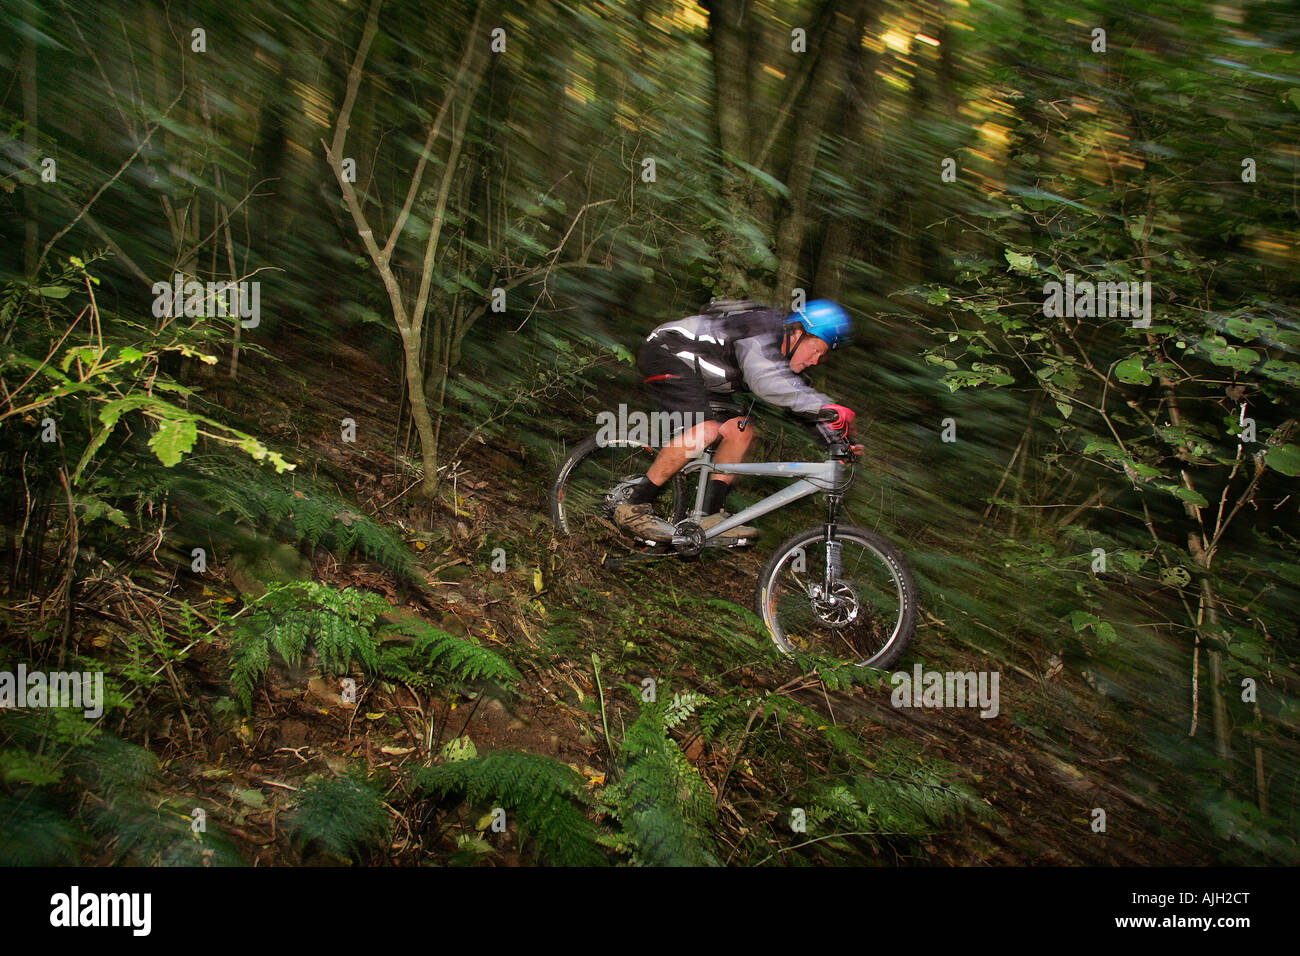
{"x":676,"y":387}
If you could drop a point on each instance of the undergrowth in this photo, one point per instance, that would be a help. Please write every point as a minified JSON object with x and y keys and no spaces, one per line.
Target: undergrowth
{"x":207,"y":488}
{"x":343,"y":627}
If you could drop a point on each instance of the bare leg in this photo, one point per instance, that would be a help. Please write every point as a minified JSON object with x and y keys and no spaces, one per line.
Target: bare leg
{"x":688,"y":445}
{"x":735,"y":443}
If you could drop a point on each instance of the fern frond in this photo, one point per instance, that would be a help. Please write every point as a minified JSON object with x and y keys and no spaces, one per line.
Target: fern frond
{"x":289,"y":637}
{"x":682,"y":706}
{"x":436,"y":656}
{"x":546,"y":797}
{"x":660,"y":800}
{"x":312,"y":519}
{"x":340,"y":624}
{"x":35,"y":830}
{"x":249,"y":658}
{"x":344,"y":815}
{"x":115,"y":766}
{"x":268,"y":503}
{"x":897,"y":796}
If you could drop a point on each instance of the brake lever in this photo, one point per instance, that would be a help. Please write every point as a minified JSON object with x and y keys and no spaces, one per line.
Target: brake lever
{"x":840,"y":446}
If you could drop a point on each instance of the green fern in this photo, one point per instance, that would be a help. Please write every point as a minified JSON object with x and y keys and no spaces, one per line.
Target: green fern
{"x":35,"y":829}
{"x":899,"y":796}
{"x":682,"y":706}
{"x":436,"y":657}
{"x":46,"y":817}
{"x":250,"y":658}
{"x":836,"y":673}
{"x":546,"y":797}
{"x":340,"y":624}
{"x":216,"y":485}
{"x":344,"y":815}
{"x":660,"y":801}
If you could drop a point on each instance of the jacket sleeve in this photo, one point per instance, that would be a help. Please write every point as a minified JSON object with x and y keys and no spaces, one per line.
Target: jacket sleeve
{"x":772,"y":381}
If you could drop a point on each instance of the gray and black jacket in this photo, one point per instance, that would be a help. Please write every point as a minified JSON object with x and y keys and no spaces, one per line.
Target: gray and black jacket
{"x":740,"y":349}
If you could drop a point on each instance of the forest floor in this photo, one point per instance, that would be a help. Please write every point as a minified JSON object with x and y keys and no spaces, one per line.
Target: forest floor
{"x":1056,"y":750}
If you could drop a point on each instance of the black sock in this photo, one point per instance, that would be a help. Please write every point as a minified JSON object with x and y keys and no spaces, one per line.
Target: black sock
{"x":715,"y":496}
{"x":647,"y":492}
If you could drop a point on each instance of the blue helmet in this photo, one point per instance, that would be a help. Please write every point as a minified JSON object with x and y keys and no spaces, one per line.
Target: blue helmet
{"x":826,"y":320}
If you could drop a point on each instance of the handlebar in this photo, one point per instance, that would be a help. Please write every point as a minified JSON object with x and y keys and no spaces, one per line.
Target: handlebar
{"x":838,"y":445}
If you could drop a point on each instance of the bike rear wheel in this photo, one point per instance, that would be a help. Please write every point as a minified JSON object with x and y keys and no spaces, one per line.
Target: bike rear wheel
{"x":595,"y":479}
{"x":868,"y":614}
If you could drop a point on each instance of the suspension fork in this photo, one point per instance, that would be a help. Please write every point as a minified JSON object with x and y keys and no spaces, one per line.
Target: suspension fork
{"x":833,"y":545}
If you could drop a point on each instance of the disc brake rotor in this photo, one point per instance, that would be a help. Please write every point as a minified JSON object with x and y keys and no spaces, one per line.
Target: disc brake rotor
{"x":837,"y":608}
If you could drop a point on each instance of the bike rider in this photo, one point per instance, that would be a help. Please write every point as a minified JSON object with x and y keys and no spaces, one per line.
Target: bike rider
{"x":733,"y":345}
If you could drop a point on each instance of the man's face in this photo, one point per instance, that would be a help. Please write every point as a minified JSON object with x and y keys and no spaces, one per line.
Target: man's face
{"x":808,"y":353}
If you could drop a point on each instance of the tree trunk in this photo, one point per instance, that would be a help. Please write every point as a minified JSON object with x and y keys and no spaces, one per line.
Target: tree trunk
{"x":814,"y":118}
{"x":420,"y":409}
{"x":729,"y":43}
{"x":31,"y":127}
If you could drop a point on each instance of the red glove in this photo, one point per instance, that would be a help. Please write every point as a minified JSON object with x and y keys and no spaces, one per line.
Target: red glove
{"x":842,"y":421}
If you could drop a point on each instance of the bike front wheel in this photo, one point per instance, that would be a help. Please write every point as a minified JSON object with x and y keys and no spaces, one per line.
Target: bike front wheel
{"x":595,"y":479}
{"x":852,"y":597}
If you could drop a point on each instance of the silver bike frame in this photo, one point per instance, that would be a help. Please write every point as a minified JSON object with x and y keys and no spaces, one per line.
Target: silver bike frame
{"x":812,"y":477}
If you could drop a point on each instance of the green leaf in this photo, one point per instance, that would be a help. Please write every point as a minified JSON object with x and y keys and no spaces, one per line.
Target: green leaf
{"x":112,"y":411}
{"x":1020,"y":263}
{"x":461,"y":748}
{"x":96,"y":508}
{"x":1081,"y":619}
{"x":251,"y":798}
{"x":173,"y":439}
{"x":54,"y":291}
{"x":1284,"y":458}
{"x":1195,"y":497}
{"x":1131,"y":372}
{"x":84,"y":353}
{"x":1286,"y":372}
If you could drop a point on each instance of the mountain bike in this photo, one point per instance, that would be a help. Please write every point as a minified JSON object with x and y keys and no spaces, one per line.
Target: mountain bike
{"x":836,"y":589}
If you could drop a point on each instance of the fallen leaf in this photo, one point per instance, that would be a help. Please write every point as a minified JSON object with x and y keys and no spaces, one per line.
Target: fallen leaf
{"x":251,"y":798}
